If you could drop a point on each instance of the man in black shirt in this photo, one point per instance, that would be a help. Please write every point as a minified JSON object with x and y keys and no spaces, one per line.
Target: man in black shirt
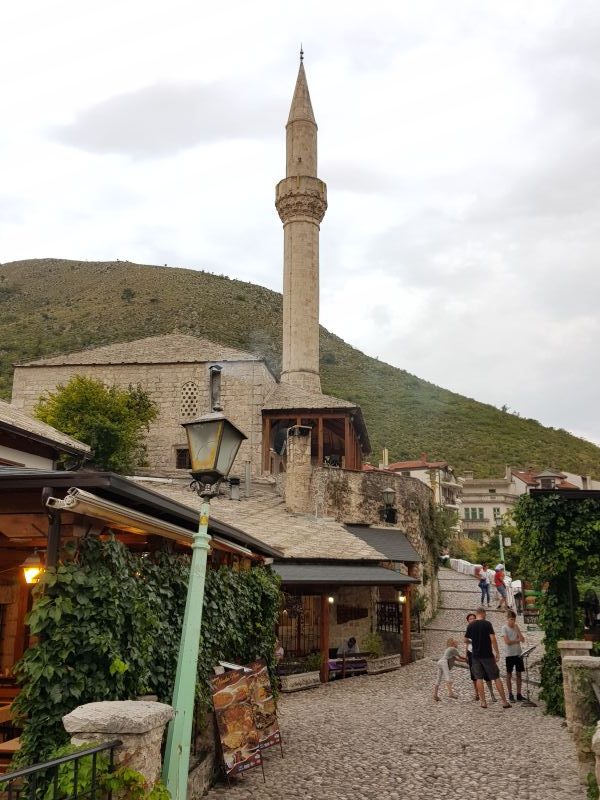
{"x":485,"y":656}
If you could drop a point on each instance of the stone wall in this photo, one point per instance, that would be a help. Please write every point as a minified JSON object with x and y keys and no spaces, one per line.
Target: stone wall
{"x":244,"y":386}
{"x":355,"y":497}
{"x":357,"y":596}
{"x":579,"y":675}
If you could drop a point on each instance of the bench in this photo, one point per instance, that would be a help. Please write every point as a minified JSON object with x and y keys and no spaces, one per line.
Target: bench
{"x":352,"y":664}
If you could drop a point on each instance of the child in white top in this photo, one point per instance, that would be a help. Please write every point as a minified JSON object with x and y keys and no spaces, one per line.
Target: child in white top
{"x":444,"y":665}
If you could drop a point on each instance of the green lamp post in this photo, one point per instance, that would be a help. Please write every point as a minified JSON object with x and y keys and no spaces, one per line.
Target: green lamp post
{"x":213,"y":445}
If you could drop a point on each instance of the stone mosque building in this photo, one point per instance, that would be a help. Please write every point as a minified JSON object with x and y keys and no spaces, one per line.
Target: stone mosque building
{"x":303,"y":490}
{"x":188,"y":376}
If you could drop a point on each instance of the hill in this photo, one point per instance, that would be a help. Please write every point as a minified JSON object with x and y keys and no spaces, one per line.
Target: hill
{"x":50,"y":306}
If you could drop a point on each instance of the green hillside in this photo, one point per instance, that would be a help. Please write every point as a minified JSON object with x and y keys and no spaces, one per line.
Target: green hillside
{"x":49,"y":306}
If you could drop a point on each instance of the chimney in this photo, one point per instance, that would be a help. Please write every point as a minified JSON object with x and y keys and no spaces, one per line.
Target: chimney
{"x":298,"y":470}
{"x":468,"y":474}
{"x":234,"y":487}
{"x":385,"y":459}
{"x":247,"y":478}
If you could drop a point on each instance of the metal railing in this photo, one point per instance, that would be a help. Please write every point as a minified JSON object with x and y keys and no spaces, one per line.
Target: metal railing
{"x":77,"y":776}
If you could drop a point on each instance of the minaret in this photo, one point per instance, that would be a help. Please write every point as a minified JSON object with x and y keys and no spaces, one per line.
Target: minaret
{"x":301,"y":201}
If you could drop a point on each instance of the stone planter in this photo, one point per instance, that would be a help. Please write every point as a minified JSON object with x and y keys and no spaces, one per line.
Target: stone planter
{"x":384,"y":664}
{"x":299,"y":681}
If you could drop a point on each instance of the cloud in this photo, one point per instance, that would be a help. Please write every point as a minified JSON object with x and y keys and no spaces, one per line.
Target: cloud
{"x":166,"y":118}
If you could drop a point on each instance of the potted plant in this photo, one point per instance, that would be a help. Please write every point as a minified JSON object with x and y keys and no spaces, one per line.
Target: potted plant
{"x":300,"y":673}
{"x":377,"y":662}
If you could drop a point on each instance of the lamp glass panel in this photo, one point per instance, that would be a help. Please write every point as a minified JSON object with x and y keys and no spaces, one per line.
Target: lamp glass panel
{"x":388,"y":496}
{"x":32,"y":574}
{"x":230,"y":444}
{"x":203,"y":440}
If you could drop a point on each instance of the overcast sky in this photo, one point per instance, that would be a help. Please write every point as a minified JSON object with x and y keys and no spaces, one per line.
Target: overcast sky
{"x":460,"y":142}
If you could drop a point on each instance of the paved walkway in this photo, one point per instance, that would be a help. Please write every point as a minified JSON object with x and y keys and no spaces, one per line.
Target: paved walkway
{"x":383,"y":738}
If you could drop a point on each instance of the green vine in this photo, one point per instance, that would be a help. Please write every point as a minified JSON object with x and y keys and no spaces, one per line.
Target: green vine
{"x":108,"y":623}
{"x":560,"y":545}
{"x":436,"y":527}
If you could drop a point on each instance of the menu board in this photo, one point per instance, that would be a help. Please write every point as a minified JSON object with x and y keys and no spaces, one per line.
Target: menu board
{"x":235,"y":722}
{"x":263,"y":704}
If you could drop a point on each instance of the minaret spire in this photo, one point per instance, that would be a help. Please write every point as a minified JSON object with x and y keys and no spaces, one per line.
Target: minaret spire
{"x":301,"y":201}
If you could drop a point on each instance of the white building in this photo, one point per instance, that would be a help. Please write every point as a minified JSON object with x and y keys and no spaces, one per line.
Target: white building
{"x":437,"y":475}
{"x":485,"y":500}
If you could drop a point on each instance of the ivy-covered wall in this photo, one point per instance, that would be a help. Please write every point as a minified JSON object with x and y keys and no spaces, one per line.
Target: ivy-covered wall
{"x":560,"y":548}
{"x":108,"y":624}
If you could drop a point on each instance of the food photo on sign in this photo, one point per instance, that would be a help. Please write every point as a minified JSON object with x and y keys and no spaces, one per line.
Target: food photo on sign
{"x":263,"y":704}
{"x":235,"y":722}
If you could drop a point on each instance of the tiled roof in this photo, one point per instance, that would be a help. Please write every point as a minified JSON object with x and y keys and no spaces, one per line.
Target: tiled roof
{"x":264,"y":516}
{"x":392,"y":542}
{"x":418,"y":464}
{"x":526,"y":477}
{"x":566,"y":485}
{"x":172,"y":348}
{"x":285,"y":395}
{"x":21,"y":423}
{"x":328,"y":574}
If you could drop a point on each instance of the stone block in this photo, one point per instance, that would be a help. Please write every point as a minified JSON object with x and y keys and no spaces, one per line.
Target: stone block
{"x":139,"y":725}
{"x":303,"y":680}
{"x":574,"y":647}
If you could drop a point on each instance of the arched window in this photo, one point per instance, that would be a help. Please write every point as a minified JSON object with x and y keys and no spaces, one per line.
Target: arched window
{"x":189,"y":400}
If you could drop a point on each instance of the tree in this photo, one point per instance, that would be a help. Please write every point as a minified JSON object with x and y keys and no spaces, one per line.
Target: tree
{"x":127,"y":294}
{"x":111,"y":420}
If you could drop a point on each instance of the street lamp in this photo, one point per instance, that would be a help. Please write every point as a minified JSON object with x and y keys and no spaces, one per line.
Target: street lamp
{"x":389,"y":495}
{"x":498,"y":524}
{"x":32,"y":567}
{"x":213,"y":444}
{"x":388,"y":512}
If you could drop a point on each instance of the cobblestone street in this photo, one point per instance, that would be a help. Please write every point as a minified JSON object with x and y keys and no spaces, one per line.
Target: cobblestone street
{"x":383,"y":737}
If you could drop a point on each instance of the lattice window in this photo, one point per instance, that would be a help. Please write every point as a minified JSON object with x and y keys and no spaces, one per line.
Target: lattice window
{"x":189,"y":400}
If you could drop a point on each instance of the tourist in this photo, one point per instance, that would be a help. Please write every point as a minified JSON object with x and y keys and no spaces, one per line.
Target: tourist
{"x":485,"y":656}
{"x":278,"y":652}
{"x":514,"y":660}
{"x":444,"y":665}
{"x":348,"y":648}
{"x":484,"y":584}
{"x":470,"y":618}
{"x":500,"y":587}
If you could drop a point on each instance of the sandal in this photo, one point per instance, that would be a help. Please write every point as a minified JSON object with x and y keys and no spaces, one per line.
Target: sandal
{"x":508,"y":705}
{"x":484,"y":706}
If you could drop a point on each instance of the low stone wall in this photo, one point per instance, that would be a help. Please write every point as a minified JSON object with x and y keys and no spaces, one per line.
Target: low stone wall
{"x":579,"y":673}
{"x":596,"y":751}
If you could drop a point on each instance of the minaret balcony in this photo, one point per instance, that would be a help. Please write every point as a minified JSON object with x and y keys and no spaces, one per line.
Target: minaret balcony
{"x":301,"y":196}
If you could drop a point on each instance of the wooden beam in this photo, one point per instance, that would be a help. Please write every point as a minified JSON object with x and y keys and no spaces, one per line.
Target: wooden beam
{"x":320,"y":442}
{"x":406,"y":641}
{"x":347,"y":446}
{"x":266,"y":444}
{"x":22,"y":637}
{"x":324,"y":637}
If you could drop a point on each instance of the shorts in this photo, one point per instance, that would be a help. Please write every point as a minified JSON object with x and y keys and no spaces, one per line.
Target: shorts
{"x":514,"y":662}
{"x":443,"y":672}
{"x":501,"y":589}
{"x":470,"y":660}
{"x":485,"y":669}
